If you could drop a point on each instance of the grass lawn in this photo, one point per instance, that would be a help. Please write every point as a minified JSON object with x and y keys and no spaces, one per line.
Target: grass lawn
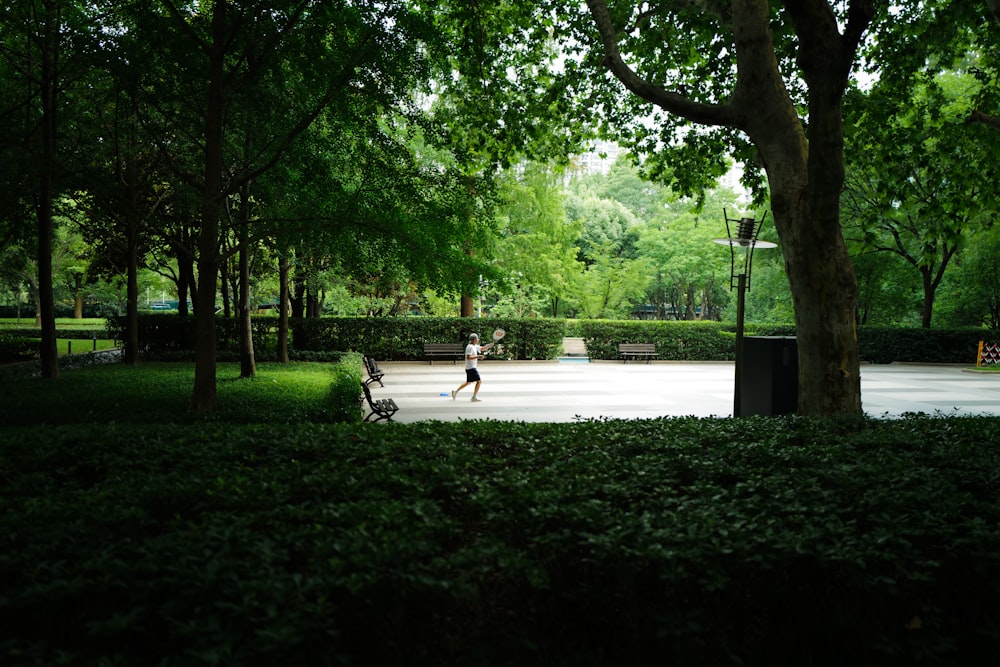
{"x":79,"y":346}
{"x":27,"y":322}
{"x":158,"y":393}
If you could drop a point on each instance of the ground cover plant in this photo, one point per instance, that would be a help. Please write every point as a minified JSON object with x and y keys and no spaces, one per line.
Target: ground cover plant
{"x":158,"y":393}
{"x":682,"y":541}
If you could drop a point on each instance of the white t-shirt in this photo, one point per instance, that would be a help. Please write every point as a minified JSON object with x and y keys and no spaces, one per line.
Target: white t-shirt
{"x":471,"y":350}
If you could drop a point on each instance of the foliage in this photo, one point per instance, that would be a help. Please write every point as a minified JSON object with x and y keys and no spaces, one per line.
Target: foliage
{"x":676,"y":340}
{"x":757,"y":541}
{"x":973,"y":296}
{"x":403,"y":338}
{"x":883,"y":345}
{"x":344,"y":403}
{"x":537,"y":249}
{"x":157,"y":393}
{"x":679,"y":340}
{"x":16,"y":347}
{"x":914,"y":182}
{"x":161,"y":332}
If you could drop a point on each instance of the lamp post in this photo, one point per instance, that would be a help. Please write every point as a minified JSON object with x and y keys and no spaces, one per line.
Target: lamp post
{"x":745,"y":240}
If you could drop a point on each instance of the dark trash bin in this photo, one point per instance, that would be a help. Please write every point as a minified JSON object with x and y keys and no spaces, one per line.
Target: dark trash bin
{"x":770,"y":376}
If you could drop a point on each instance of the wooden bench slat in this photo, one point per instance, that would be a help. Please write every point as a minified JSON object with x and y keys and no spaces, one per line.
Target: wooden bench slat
{"x":637,"y":351}
{"x":453,"y":351}
{"x":384,"y":408}
{"x":375,"y":374}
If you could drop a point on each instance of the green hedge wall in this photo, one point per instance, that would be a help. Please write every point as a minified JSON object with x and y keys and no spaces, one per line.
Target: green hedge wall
{"x":684,"y":542}
{"x":402,"y":339}
{"x":883,"y":345}
{"x":682,"y":341}
{"x":164,"y":332}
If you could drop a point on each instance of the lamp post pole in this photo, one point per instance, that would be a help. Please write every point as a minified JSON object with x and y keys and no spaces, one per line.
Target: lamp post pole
{"x":747,"y":230}
{"x":741,"y":289}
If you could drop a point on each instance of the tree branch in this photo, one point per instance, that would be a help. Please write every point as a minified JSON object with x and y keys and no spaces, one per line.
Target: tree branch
{"x":986,"y":119}
{"x":706,"y":114}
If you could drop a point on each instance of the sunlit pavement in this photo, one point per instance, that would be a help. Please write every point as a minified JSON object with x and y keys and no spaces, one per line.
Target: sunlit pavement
{"x":564,"y":391}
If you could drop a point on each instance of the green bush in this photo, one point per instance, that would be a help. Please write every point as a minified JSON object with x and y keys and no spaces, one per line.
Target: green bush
{"x":403,"y":338}
{"x":676,"y":340}
{"x":14,"y":348}
{"x":388,"y":338}
{"x":159,"y":393}
{"x":345,"y":392}
{"x":161,"y":333}
{"x":683,"y":542}
{"x":883,"y":345}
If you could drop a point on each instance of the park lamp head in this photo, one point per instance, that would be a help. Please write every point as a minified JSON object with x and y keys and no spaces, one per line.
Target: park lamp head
{"x":747,"y":230}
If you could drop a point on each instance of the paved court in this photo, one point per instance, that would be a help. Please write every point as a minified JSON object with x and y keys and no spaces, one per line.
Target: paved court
{"x":551,"y":391}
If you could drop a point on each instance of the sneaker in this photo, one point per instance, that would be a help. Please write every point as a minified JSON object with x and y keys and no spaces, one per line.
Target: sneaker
{"x":476,"y":399}
{"x":453,"y":392}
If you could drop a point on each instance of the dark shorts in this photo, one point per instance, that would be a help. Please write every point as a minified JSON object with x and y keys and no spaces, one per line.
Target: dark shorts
{"x":472,"y":375}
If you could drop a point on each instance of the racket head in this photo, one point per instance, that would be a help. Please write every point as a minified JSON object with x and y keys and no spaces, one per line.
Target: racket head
{"x":498,"y":334}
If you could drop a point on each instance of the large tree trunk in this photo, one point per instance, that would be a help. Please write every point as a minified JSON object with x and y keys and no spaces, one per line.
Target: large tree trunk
{"x":204,"y":397}
{"x":49,"y":91}
{"x":283,"y":308}
{"x":77,"y":296}
{"x":466,"y":308}
{"x":805,"y":176}
{"x":131,"y":342}
{"x":186,"y":284}
{"x":225,"y":277}
{"x":248,"y":364}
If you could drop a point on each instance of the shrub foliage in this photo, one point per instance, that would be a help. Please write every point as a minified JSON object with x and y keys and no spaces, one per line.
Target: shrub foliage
{"x":402,"y":338}
{"x":757,"y":541}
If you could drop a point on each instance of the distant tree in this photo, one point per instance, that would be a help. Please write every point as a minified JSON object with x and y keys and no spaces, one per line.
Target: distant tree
{"x":48,"y":50}
{"x":971,"y":297}
{"x":915,"y":177}
{"x":888,"y":289}
{"x":690,"y":273}
{"x":758,"y":80}
{"x":536,"y":251}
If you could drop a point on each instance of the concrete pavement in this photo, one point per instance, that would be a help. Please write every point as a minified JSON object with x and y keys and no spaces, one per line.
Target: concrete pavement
{"x":563,"y":391}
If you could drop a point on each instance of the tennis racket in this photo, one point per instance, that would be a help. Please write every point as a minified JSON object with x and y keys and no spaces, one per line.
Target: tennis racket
{"x":498,"y":335}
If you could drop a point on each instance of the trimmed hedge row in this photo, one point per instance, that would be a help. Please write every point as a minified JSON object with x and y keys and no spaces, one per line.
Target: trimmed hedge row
{"x":758,"y":541}
{"x":162,"y":332}
{"x":403,"y":338}
{"x":883,"y":345}
{"x":681,"y":341}
{"x":14,"y":348}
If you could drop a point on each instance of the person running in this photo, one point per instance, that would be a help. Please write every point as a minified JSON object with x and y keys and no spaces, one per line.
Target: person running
{"x":473,"y":353}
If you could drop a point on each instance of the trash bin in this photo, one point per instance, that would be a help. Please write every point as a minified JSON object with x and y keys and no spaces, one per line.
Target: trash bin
{"x":770,"y":376}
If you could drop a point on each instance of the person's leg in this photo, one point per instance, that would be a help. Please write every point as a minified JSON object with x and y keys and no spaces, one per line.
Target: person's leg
{"x":475,"y":392}
{"x":460,"y":388}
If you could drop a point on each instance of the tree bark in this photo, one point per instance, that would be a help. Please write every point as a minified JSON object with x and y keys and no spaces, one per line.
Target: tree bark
{"x":204,"y":396}
{"x":805,"y":174}
{"x":248,"y":364}
{"x":49,"y":90}
{"x":130,"y":354}
{"x":77,"y":296}
{"x":284,"y":305}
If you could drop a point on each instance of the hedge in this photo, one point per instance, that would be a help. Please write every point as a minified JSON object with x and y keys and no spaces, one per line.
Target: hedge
{"x":403,"y":338}
{"x":683,"y":542}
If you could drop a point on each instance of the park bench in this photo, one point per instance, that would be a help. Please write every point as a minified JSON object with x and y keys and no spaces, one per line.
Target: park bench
{"x":375,"y":374}
{"x":637,"y":351}
{"x":384,"y":408}
{"x":453,"y":351}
